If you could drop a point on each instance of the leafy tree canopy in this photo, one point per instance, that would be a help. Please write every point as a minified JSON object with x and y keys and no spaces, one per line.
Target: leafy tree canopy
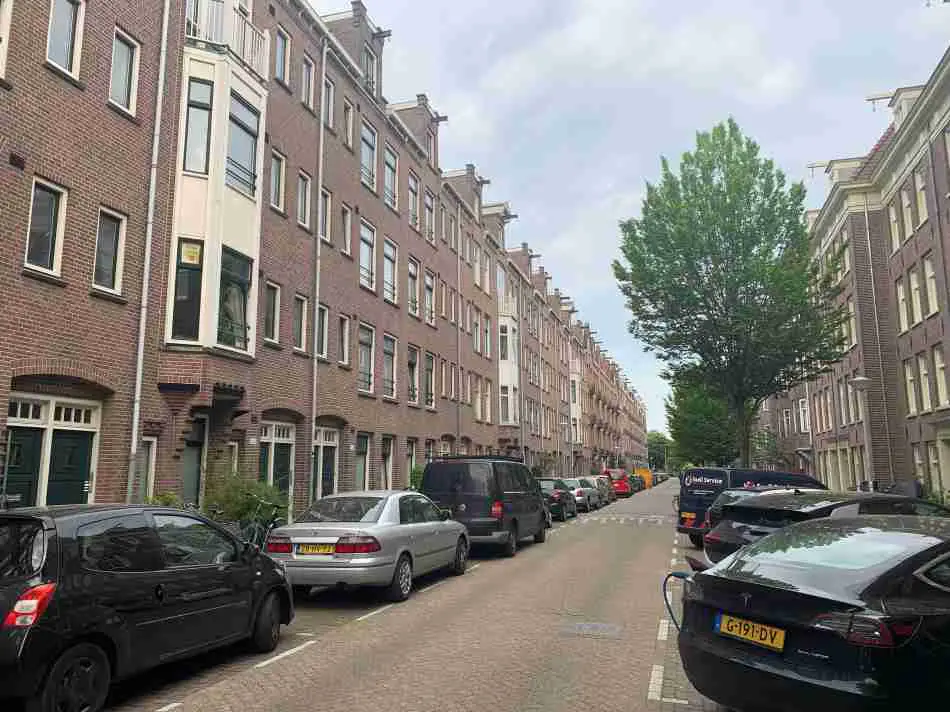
{"x":701,"y":425}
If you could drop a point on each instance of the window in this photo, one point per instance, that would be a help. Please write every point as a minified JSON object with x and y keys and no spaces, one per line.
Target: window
{"x":271,"y":312}
{"x":412,"y":289}
{"x":487,"y":336}
{"x":854,"y":401}
{"x":504,"y":406}
{"x":329,"y":101}
{"x":916,"y":308}
{"x":241,"y":170}
{"x":188,"y":542}
{"x":934,"y":457}
{"x":442,"y":223}
{"x":367,"y":350}
{"x":186,"y":313}
{"x":909,"y":389}
{"x":278,"y":167}
{"x":845,"y":253}
{"x":453,"y":233}
{"x":930,"y":279}
{"x":908,"y":215}
{"x":940,"y":375}
{"x":803,"y":425}
{"x":368,"y":64}
{"x":6,"y":13}
{"x":347,"y":123}
{"x":123,"y":86}
{"x":346,"y":226}
{"x":453,"y":301}
{"x":921,"y":189}
{"x":429,"y":297}
{"x":323,"y":320}
{"x":573,"y":391}
{"x":326,"y":462}
{"x":64,"y":43}
{"x":486,"y":409}
{"x":924,"y":374}
{"x":413,"y":200}
{"x":45,"y":236}
{"x":300,"y":323}
{"x":306,"y":82}
{"x":430,"y":147}
{"x":367,"y":256}
{"x":443,"y":289}
{"x":303,"y":200}
{"x":843,"y":404}
{"x":390,"y":253}
{"x":442,"y":377}
{"x":453,"y":379}
{"x":362,"y":462}
{"x":282,"y":56}
{"x":503,"y":343}
{"x":852,"y":324}
{"x":412,"y":359}
{"x":119,"y":544}
{"x":477,"y":266}
{"x":232,"y":306}
{"x":389,"y":366}
{"x":326,"y":207}
{"x":368,"y":156}
{"x":902,"y":320}
{"x":110,"y":241}
{"x":476,"y":331}
{"x":430,"y":380}
{"x":198,"y":125}
{"x":343,"y":340}
{"x":429,"y":215}
{"x":895,"y":228}
{"x":390,"y":173}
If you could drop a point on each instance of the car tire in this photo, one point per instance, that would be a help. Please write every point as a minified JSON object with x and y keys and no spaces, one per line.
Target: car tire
{"x":86,"y":659}
{"x":696,"y":540}
{"x":541,"y":535}
{"x":401,"y":586}
{"x":460,"y":562}
{"x":563,"y":517}
{"x":266,"y":632}
{"x":511,"y":546}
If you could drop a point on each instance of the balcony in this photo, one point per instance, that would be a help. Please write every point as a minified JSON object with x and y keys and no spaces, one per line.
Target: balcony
{"x":221,"y":23}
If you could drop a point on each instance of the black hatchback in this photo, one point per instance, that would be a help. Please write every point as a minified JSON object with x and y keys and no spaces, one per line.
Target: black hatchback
{"x":93,"y":593}
{"x":496,"y":498}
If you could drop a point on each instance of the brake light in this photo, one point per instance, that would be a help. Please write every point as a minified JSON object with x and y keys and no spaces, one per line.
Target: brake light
{"x":711,"y":537}
{"x":579,"y":493}
{"x":279,"y":545}
{"x":357,"y":545}
{"x":29,"y":606}
{"x":555,"y":494}
{"x":496,"y":509}
{"x":866,"y":631}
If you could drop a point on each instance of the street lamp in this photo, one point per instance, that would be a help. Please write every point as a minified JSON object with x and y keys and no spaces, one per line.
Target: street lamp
{"x":861,"y":385}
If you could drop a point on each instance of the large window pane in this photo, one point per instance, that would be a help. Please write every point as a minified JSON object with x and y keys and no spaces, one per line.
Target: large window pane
{"x":242,"y":146}
{"x":198,"y":125}
{"x":123,"y":69}
{"x":366,"y":343}
{"x":187,"y":309}
{"x":64,"y":17}
{"x":107,"y":251}
{"x":235,"y":287}
{"x":44,"y":222}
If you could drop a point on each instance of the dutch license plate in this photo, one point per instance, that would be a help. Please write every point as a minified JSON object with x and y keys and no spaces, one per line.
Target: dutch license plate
{"x":314,"y":548}
{"x":758,"y":633}
{"x":688,"y":516}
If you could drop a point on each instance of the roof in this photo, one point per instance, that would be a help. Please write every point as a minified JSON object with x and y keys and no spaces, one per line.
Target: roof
{"x":366,"y":493}
{"x":61,"y":511}
{"x":811,"y":500}
{"x":874,"y":158}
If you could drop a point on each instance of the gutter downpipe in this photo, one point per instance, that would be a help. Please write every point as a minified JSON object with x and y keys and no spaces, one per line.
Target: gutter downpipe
{"x":147,"y":259}
{"x":460,"y":323}
{"x":315,"y":316}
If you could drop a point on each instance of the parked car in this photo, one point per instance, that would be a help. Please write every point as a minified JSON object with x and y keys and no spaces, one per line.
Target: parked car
{"x":829,"y":614}
{"x":636,"y":483}
{"x":608,"y":487}
{"x":604,"y":487}
{"x":748,"y":520}
{"x":560,"y":497}
{"x":585,"y":495}
{"x":93,"y":593}
{"x":620,"y":481}
{"x":732,"y":495}
{"x":377,"y":538}
{"x":496,"y":498}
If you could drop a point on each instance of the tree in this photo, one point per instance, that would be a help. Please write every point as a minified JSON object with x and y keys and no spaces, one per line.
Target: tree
{"x":700,"y":423}
{"x":719,"y":277}
{"x":657,"y":445}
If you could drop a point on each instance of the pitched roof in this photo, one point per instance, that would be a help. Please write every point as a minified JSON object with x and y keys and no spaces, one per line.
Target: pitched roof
{"x":874,"y":158}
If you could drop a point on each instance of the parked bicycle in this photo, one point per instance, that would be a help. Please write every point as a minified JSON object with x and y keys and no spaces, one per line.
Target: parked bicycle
{"x":265,"y":518}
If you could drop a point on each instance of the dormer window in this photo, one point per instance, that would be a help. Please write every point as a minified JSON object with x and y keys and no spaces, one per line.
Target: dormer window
{"x":369,"y":64}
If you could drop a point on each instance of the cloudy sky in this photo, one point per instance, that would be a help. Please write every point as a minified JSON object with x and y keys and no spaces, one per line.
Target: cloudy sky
{"x":567,"y":105}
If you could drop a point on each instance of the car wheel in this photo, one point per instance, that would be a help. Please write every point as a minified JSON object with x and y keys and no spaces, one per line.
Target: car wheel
{"x":401,"y":586}
{"x":460,"y":562}
{"x":267,"y":625}
{"x":541,"y":535}
{"x":563,"y":517}
{"x":697,"y":540}
{"x":78,"y":682}
{"x":511,"y":546}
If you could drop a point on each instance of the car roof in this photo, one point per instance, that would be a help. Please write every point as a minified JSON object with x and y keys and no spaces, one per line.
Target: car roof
{"x":810,"y":500}
{"x":370,"y":493}
{"x":64,"y":511}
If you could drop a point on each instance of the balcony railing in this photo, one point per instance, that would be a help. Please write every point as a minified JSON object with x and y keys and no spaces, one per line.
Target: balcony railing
{"x":209,"y":21}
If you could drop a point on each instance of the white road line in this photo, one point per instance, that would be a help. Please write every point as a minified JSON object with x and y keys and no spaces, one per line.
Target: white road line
{"x":286,"y":653}
{"x":172,"y":706}
{"x":663,"y":633}
{"x":306,"y":635}
{"x":673,"y":562}
{"x":373,"y":613}
{"x":674,"y":701}
{"x":655,"y":690}
{"x":432,"y":585}
{"x":472,"y":568}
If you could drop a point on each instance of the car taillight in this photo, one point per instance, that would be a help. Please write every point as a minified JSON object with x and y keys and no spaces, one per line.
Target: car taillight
{"x":29,"y":606}
{"x":555,"y":495}
{"x":496,"y":509}
{"x":356,"y":545}
{"x":579,"y":493}
{"x":711,"y":537}
{"x":279,"y":545}
{"x":866,"y":630}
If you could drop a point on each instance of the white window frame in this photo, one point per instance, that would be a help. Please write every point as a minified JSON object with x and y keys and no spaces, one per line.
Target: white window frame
{"x":348,"y":114}
{"x":428,"y":297}
{"x":323,"y":332}
{"x":414,"y":195}
{"x":303,"y":304}
{"x":276,"y":433}
{"x":920,"y":191}
{"x":430,"y":147}
{"x":275,"y":339}
{"x":910,"y":389}
{"x":443,"y":290}
{"x":428,"y":375}
{"x":277,"y":158}
{"x":372,"y":357}
{"x":930,"y":280}
{"x":306,"y":88}
{"x":393,"y":200}
{"x":149,"y":473}
{"x":923,"y":378}
{"x":304,"y":198}
{"x":119,"y":251}
{"x":126,"y":38}
{"x":346,"y":229}
{"x":903,"y":319}
{"x":412,"y":292}
{"x":916,"y":305}
{"x":369,"y":283}
{"x":6,"y":16}
{"x":370,"y":65}
{"x":442,"y":377}
{"x":343,"y":339}
{"x":60,"y":235}
{"x":940,"y":375}
{"x":907,"y":213}
{"x":389,"y":245}
{"x":852,"y":325}
{"x":76,"y":58}
{"x":895,"y":227}
{"x":486,"y":323}
{"x":392,"y":394}
{"x":368,"y":176}
{"x":282,"y":74}
{"x":329,"y":102}
{"x":412,"y":377}
{"x":325,"y":227}
{"x":322,"y":439}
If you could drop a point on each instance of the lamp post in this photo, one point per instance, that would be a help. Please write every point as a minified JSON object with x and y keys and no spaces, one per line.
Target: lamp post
{"x":861,"y":384}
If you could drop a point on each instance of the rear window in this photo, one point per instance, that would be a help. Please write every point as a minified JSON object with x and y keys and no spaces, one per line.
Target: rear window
{"x":458,"y":477}
{"x":586,"y":483}
{"x":345,"y":509}
{"x":573,"y":483}
{"x":124,"y":543}
{"x":22,"y":547}
{"x":618,"y":475}
{"x":547,"y":485}
{"x":763,"y":478}
{"x":732,"y":496}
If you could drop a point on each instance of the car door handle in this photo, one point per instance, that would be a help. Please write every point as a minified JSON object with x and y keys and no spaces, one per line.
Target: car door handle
{"x":160,"y":592}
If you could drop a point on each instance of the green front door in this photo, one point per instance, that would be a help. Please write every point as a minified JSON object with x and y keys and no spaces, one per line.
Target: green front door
{"x":69,"y":467}
{"x":283,"y":464}
{"x":23,"y":466}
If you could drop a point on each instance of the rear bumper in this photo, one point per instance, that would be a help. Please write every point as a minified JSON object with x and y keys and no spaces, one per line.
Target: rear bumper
{"x":313,"y":574}
{"x":682,"y":529}
{"x":494,"y":538}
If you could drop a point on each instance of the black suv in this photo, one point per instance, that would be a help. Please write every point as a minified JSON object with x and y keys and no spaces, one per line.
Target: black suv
{"x":496,"y":498}
{"x":93,"y":593}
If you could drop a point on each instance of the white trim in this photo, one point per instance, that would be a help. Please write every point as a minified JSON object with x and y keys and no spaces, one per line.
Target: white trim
{"x":320,"y":441}
{"x":344,"y":335}
{"x":6,"y":15}
{"x":62,"y":205}
{"x":326,"y":216}
{"x":76,"y":59}
{"x":234,"y":453}
{"x":277,"y":156}
{"x":303,"y":178}
{"x":323,"y":335}
{"x":395,"y":340}
{"x":120,"y":250}
{"x":127,"y":39}
{"x":283,"y":75}
{"x":275,"y":339}
{"x":275,"y":432}
{"x":150,"y":465}
{"x":372,"y":357}
{"x":372,"y":266}
{"x":328,"y":98}
{"x":371,"y":180}
{"x":304,"y":301}
{"x":307,"y":98}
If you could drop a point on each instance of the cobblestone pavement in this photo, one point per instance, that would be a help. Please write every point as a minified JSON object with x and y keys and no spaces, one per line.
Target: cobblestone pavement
{"x":576,"y":622}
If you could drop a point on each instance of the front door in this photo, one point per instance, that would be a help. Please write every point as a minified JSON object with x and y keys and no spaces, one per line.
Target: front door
{"x":23,"y":466}
{"x":324,"y":470}
{"x":192,"y":461}
{"x":69,"y":467}
{"x":283,"y":465}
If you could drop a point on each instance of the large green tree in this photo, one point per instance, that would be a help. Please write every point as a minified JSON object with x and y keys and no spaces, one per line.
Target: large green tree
{"x":719,"y":276}
{"x":699,"y":421}
{"x":658,"y":444}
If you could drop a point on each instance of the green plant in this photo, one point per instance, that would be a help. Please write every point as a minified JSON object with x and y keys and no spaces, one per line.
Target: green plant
{"x":230,"y":494}
{"x":415,"y":477}
{"x":937,"y":497}
{"x":165,"y":499}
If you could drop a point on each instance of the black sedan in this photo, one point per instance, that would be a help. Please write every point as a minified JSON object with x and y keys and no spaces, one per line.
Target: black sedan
{"x":560,"y":498}
{"x":832,"y":614}
{"x":749,"y":519}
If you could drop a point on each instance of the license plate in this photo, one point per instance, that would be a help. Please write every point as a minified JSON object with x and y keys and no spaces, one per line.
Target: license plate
{"x":758,"y":633}
{"x":314,"y":548}
{"x":688,"y":516}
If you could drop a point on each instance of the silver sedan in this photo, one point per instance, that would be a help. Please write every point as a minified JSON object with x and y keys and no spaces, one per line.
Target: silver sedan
{"x":378,"y":538}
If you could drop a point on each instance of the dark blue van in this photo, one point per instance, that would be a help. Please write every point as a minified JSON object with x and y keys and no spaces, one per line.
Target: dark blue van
{"x":699,"y":486}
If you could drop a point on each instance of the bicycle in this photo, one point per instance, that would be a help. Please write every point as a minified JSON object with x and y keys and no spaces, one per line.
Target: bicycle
{"x":256,"y":529}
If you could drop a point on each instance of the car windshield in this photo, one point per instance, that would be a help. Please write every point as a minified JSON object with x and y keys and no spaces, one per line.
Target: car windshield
{"x":586,"y":483}
{"x":547,"y":485}
{"x":572,"y":483}
{"x":344,"y":509}
{"x":21,"y":550}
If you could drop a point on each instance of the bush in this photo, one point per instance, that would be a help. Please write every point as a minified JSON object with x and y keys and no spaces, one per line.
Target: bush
{"x":230,"y":495}
{"x":415,"y":477}
{"x":165,"y":499}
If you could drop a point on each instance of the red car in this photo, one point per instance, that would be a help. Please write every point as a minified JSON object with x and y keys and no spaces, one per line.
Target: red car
{"x":621,"y":482}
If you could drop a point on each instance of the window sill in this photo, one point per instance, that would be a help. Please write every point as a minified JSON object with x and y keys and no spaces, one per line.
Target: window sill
{"x":108,"y":296}
{"x":282,"y":83}
{"x":231,"y":353}
{"x":933,"y":313}
{"x":329,"y":128}
{"x":309,"y":109}
{"x":391,"y":302}
{"x":306,"y":228}
{"x":431,"y":409}
{"x":370,"y":188}
{"x":394,"y":209}
{"x":432,"y":325}
{"x":322,"y":358}
{"x":412,"y":404}
{"x":327,"y":240}
{"x":346,"y":254}
{"x":280,"y":211}
{"x":415,"y":315}
{"x":302,"y":353}
{"x":43,"y":276}
{"x":922,"y":223}
{"x":344,"y":366}
{"x":124,"y":113}
{"x":272,"y":345}
{"x":390,"y":399}
{"x":943,"y":407}
{"x":371,"y":290}
{"x":366,"y":394}
{"x":63,"y":74}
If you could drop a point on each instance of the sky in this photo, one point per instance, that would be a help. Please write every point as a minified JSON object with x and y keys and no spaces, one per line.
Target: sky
{"x":566,"y":106}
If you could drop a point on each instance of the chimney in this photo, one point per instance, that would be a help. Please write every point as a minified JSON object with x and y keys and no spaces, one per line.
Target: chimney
{"x":359,"y":9}
{"x":422,"y":100}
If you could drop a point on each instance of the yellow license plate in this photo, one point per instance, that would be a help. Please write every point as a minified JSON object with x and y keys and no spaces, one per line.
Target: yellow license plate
{"x":314,"y":548}
{"x":689,"y":515}
{"x":758,"y":633}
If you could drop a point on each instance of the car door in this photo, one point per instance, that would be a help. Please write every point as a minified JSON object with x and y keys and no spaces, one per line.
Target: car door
{"x":209,"y":595}
{"x":413,"y":527}
{"x":534,"y":498}
{"x":444,"y":534}
{"x":512,"y":495}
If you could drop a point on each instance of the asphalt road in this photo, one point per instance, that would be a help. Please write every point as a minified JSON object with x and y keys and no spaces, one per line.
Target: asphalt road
{"x":572,"y":623}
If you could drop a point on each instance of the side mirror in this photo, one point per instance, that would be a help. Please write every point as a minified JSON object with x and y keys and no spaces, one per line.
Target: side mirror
{"x":446,"y":514}
{"x":695,"y":564}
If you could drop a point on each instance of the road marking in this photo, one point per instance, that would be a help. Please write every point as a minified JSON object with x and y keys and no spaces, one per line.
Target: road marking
{"x":472,"y":568}
{"x":306,"y":635}
{"x":285,"y":654}
{"x":172,"y":706}
{"x":431,"y":585}
{"x":663,"y":633}
{"x":655,"y":690}
{"x":673,"y":562}
{"x":373,"y":613}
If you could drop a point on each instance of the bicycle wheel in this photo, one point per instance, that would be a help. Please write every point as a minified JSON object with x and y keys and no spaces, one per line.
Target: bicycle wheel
{"x":255,"y":533}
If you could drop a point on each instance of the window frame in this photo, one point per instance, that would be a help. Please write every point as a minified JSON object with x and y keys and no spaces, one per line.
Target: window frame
{"x":391,"y":286}
{"x":233,"y":178}
{"x":372,"y":357}
{"x":910,"y":385}
{"x":279,"y":159}
{"x":367,"y":275}
{"x":119,"y":259}
{"x":930,"y":284}
{"x":920,"y":198}
{"x":304,"y":198}
{"x":328,"y":102}
{"x":301,"y":307}
{"x":136,"y":48}
{"x":368,"y":175}
{"x":188,"y":266}
{"x":390,"y":194}
{"x":428,"y":374}
{"x":75,"y":49}
{"x":307,"y":74}
{"x":348,"y":114}
{"x":6,"y":21}
{"x":58,"y":236}
{"x":916,"y":300}
{"x":322,"y":331}
{"x":390,"y":385}
{"x":343,"y":339}
{"x":271,"y":288}
{"x":346,"y":229}
{"x":413,"y":267}
{"x":903,"y":318}
{"x":923,"y":378}
{"x":412,"y":371}
{"x":247,"y":301}
{"x":895,"y":227}
{"x":428,"y":297}
{"x":208,"y":109}
{"x":325,"y":218}
{"x":282,"y":69}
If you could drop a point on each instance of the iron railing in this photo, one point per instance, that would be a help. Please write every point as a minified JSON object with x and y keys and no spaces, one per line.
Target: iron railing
{"x":209,"y":21}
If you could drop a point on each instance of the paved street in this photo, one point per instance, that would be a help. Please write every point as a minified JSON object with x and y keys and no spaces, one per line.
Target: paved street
{"x":574,"y":622}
